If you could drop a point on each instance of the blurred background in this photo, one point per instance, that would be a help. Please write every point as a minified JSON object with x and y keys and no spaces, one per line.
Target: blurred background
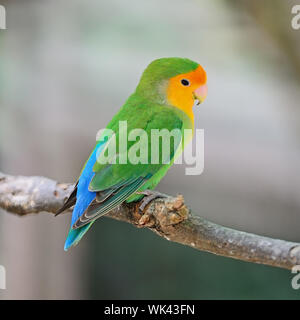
{"x":68,"y":66}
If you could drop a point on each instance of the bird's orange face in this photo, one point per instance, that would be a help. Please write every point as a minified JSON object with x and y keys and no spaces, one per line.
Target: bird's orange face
{"x":184,"y":89}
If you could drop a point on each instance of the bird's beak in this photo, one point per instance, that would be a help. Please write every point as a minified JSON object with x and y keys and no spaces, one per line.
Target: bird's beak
{"x":201,"y":93}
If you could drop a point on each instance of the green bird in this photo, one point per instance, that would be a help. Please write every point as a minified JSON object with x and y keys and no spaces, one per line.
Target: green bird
{"x":163,"y":99}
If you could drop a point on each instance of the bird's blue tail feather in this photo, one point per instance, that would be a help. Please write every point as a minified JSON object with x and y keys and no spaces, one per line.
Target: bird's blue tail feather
{"x":84,"y":197}
{"x":75,"y":235}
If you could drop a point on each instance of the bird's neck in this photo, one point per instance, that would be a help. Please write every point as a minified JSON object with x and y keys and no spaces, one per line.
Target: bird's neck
{"x":182,"y":102}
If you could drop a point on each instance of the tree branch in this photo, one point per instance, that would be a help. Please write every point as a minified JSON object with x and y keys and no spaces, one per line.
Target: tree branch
{"x":169,"y":217}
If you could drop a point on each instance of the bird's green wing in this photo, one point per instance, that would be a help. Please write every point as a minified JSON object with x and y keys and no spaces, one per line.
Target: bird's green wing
{"x":114,"y":183}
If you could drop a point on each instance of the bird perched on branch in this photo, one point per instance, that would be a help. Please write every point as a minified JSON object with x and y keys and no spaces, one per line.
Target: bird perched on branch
{"x":163,"y":99}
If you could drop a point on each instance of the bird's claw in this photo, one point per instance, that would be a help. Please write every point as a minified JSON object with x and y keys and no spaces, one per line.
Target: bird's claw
{"x":150,"y":195}
{"x":147,"y":220}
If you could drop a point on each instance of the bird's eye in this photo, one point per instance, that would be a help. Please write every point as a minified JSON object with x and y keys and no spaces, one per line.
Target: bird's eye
{"x":185,"y":82}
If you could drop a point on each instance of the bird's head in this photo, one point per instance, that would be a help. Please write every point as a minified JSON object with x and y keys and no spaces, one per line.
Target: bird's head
{"x":177,"y":82}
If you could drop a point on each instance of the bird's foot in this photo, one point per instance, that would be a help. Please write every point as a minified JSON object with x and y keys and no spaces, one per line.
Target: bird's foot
{"x":150,"y":195}
{"x":163,"y":214}
{"x":146,"y":218}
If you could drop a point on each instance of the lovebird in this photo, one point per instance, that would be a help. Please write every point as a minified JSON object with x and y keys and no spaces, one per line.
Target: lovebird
{"x":164,"y":99}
